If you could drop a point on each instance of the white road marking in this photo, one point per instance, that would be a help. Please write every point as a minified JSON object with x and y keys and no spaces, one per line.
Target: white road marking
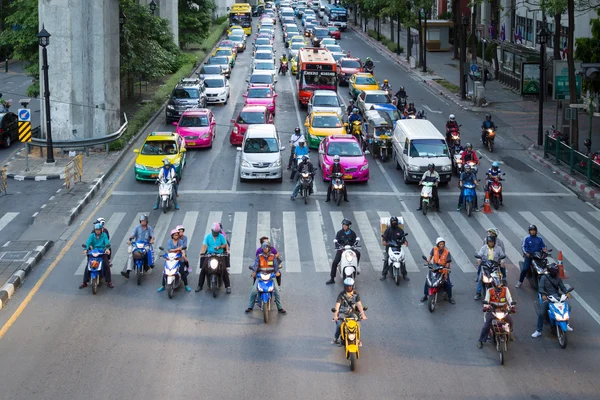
{"x":263,"y":226}
{"x":369,"y":239}
{"x":585,"y":305}
{"x":6,"y":218}
{"x":236,"y":171}
{"x":323,"y":194}
{"x":413,"y":227}
{"x":584,"y":223}
{"x":317,"y":241}
{"x":213,"y":216}
{"x":458,"y":255}
{"x":467,"y":230}
{"x":292,"y":251}
{"x":430,"y":110}
{"x":189,"y":223}
{"x":238,"y":239}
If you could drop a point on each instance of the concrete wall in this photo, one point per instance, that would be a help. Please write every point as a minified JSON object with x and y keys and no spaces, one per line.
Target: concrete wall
{"x":84,"y":67}
{"x":221,"y":7}
{"x":168,"y":9}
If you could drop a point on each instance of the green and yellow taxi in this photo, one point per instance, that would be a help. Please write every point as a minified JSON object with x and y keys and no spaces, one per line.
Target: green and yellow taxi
{"x":225,"y":52}
{"x":361,"y":81}
{"x":321,"y":124}
{"x":294,"y":63}
{"x":296,"y":39}
{"x":157,"y":147}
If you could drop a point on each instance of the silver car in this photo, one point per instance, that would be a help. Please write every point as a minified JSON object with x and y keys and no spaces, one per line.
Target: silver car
{"x":327,"y":100}
{"x":261,"y":154}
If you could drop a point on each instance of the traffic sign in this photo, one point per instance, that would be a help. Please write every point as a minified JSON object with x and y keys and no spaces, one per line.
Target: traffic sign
{"x":473,"y":68}
{"x":24,"y":115}
{"x":24,"y":131}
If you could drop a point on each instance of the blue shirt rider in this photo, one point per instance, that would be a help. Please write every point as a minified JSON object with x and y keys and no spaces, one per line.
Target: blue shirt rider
{"x":531,"y":244}
{"x":487,"y":124}
{"x":355,"y":116}
{"x":467,"y":176}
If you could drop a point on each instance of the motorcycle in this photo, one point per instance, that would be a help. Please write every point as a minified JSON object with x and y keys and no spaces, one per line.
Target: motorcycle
{"x":348,"y":266}
{"x":165,"y":191}
{"x":95,"y":265}
{"x":356,"y":129}
{"x":369,"y":69}
{"x":283,"y":68}
{"x":401,"y":103}
{"x":396,"y":259}
{"x":558,"y":316}
{"x":426,"y":195}
{"x":171,"y":271}
{"x":266,"y":289}
{"x":473,"y":165}
{"x":453,"y":134}
{"x":436,"y":281}
{"x":495,"y":190}
{"x":389,"y":92}
{"x":539,"y":267}
{"x":350,"y":335}
{"x":215,"y":270}
{"x":558,"y":135}
{"x":338,"y":187}
{"x":457,"y":163}
{"x":139,"y":254}
{"x":488,"y":142}
{"x":305,"y":179}
{"x":500,"y":329}
{"x":469,"y":195}
{"x":487,"y":268}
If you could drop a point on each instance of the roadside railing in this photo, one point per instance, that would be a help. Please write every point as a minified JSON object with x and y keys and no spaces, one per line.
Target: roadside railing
{"x":577,"y":162}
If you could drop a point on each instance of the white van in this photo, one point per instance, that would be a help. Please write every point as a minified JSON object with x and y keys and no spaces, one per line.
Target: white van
{"x":417,"y":143}
{"x":261,"y":153}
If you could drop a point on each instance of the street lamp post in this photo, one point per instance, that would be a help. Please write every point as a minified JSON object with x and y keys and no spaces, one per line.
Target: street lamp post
{"x":425,"y":15}
{"x":122,"y":18}
{"x":43,"y":41}
{"x":463,"y":57}
{"x":152,"y":6}
{"x":542,"y":38}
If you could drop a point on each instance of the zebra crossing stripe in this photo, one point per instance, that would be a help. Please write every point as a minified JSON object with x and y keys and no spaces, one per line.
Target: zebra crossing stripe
{"x":373,"y":246}
{"x":317,"y":242}
{"x":584,"y":223}
{"x":569,"y":254}
{"x":336,"y":220}
{"x":414,"y":229}
{"x":467,"y":230}
{"x":458,"y":255}
{"x":238,"y":239}
{"x":6,"y":218}
{"x":263,"y":226}
{"x":213,"y":216}
{"x":292,"y":251}
{"x":189,"y":224}
{"x":586,"y":244}
{"x":512,"y":253}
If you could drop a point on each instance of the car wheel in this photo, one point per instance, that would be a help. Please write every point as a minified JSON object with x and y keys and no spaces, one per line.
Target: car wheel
{"x":7,"y":141}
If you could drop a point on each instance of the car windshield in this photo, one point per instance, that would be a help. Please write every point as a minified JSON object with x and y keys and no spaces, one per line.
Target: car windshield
{"x":394,"y":114}
{"x":237,"y":31}
{"x":236,"y":39}
{"x":247,"y":117}
{"x":297,"y":40}
{"x":214,"y":83}
{"x":187,"y":93}
{"x":297,"y":46}
{"x":428,"y":148}
{"x":350,"y":64}
{"x":262,"y":78}
{"x":218,"y":60}
{"x":263,"y":41}
{"x":156,"y":148}
{"x":327,"y":41}
{"x":193,"y":121}
{"x":338,"y":56}
{"x":334,"y":48}
{"x":261,"y":145}
{"x":318,"y":80}
{"x":260,"y":93}
{"x":326,"y":121}
{"x":223,"y":52}
{"x":377,"y":99}
{"x":365,"y":80}
{"x":268,"y":48}
{"x":264,"y":66}
{"x":227,"y":43}
{"x":333,"y":29}
{"x":263,"y":56}
{"x":383,"y":130}
{"x":344,"y":149}
{"x":211,"y":70}
{"x":326,"y":101}
{"x":292,"y":29}
{"x":321,"y":33}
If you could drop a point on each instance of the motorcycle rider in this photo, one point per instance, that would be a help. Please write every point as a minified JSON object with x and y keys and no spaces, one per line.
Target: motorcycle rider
{"x":214,"y":243}
{"x":450,"y":125}
{"x":431,"y":175}
{"x":369,"y":64}
{"x":469,"y":155}
{"x":336,"y":168}
{"x":300,"y":151}
{"x":142,"y":233}
{"x":386,"y":86}
{"x":344,"y":237}
{"x":265,"y":262}
{"x":102,"y":222}
{"x":305,"y":165}
{"x":499,"y":243}
{"x":184,"y":243}
{"x":440,"y":256}
{"x":498,"y":296}
{"x":401,"y":93}
{"x":297,"y":136}
{"x":488,"y":252}
{"x":531,"y":244}
{"x":346,"y":303}
{"x":167,"y":172}
{"x":494,"y":172}
{"x":456,"y":147}
{"x":283,"y":60}
{"x":350,"y":107}
{"x":355,"y":116}
{"x":550,"y":285}
{"x":469,"y":177}
{"x":275,"y":253}
{"x":411,"y":110}
{"x":175,"y":245}
{"x":393,"y":233}
{"x":98,"y":240}
{"x":487,"y":124}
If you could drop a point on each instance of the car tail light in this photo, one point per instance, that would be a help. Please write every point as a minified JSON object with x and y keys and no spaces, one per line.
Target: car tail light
{"x":235,"y":130}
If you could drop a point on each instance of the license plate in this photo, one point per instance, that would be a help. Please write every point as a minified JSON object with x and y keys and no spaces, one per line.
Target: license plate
{"x":154,"y":176}
{"x":191,"y":143}
{"x":261,"y":176}
{"x":347,"y":176}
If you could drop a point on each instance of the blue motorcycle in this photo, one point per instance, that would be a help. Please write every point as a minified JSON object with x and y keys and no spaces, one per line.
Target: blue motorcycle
{"x":265,"y":287}
{"x":558,"y":316}
{"x":95,"y":265}
{"x":469,"y":196}
{"x":139,"y":253}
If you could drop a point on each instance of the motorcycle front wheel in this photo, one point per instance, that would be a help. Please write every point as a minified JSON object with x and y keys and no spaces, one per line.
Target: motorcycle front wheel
{"x":496,"y":202}
{"x":352,"y":357}
{"x":139,"y":276}
{"x":561,"y":336}
{"x":397,"y":276}
{"x":425,"y":207}
{"x":468,"y":208}
{"x":490,"y":145}
{"x":165,"y":206}
{"x":265,"y":313}
{"x":338,"y":200}
{"x":170,"y":290}
{"x":432,"y":302}
{"x":95,"y":282}
{"x":214,"y":285}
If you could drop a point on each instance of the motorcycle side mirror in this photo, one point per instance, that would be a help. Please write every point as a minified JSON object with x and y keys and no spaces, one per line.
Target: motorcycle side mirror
{"x":513,"y":303}
{"x":358,"y":239}
{"x":569,"y":290}
{"x":365,"y":308}
{"x":83,"y":245}
{"x":460,"y":125}
{"x":549,"y":251}
{"x":405,"y":234}
{"x":333,"y":310}
{"x":161,"y":248}
{"x":424,"y":258}
{"x":477,"y":256}
{"x":335,"y":241}
{"x":184,"y":248}
{"x":502,"y":258}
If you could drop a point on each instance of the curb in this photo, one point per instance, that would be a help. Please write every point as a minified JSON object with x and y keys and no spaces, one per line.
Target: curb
{"x":17,"y":279}
{"x":591,"y":193}
{"x":35,"y":177}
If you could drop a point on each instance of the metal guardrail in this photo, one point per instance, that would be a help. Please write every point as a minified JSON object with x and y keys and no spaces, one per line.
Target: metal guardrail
{"x":577,"y":162}
{"x":36,"y":140}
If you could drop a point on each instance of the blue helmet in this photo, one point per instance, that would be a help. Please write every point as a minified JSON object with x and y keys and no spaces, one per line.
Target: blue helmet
{"x":98,"y":226}
{"x":495,"y":164}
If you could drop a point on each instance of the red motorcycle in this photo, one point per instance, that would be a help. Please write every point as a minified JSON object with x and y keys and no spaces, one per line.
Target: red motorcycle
{"x":453,"y":134}
{"x":283,"y":68}
{"x":558,"y":135}
{"x":495,"y":190}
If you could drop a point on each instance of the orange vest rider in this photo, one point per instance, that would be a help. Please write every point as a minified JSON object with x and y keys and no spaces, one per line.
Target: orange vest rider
{"x":266,"y":263}
{"x":440,"y":258}
{"x":498,"y":297}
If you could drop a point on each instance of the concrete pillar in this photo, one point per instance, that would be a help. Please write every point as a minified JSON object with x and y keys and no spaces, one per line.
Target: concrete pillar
{"x":83,"y":61}
{"x":485,"y":17}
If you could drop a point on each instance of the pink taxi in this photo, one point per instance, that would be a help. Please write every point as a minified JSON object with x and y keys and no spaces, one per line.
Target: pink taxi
{"x":197,"y":127}
{"x":261,"y":95}
{"x":352,"y":158}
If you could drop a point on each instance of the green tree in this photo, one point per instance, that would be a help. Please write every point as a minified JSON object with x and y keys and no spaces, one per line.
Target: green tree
{"x":194,"y":21}
{"x":588,"y":51}
{"x":22,"y":40}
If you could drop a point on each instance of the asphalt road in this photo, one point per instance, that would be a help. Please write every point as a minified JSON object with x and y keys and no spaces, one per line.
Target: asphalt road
{"x":58,"y":342}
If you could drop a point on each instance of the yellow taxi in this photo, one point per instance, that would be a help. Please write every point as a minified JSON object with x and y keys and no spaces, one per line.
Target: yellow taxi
{"x":294,"y":63}
{"x":225,"y":52}
{"x":321,"y":124}
{"x":157,"y":147}
{"x":296,"y":39}
{"x":234,"y":27}
{"x":361,"y":81}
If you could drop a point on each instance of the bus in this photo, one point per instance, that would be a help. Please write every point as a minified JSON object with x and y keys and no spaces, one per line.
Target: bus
{"x":317,"y":70}
{"x":335,"y":15}
{"x":241,"y":14}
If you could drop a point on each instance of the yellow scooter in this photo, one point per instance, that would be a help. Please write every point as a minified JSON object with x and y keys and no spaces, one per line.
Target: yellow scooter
{"x":350,"y":336}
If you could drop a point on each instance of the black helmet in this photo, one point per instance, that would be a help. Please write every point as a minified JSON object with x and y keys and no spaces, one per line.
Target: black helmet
{"x":297,"y":130}
{"x":552,"y":270}
{"x":394,"y":221}
{"x":346,"y":222}
{"x":431,"y":165}
{"x":402,"y":88}
{"x":490,"y":238}
{"x":532,"y":228}
{"x":469,"y":146}
{"x":488,"y":117}
{"x":587,"y":143}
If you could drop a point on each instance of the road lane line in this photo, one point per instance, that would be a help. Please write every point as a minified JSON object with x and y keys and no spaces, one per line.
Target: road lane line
{"x":585,"y":305}
{"x":236,"y":171}
{"x":161,"y":229}
{"x":370,"y":241}
{"x":573,"y":258}
{"x":238,"y":240}
{"x":291,"y":248}
{"x":583,"y":242}
{"x":213,"y":216}
{"x":317,"y":241}
{"x":6,"y":218}
{"x":458,"y":255}
{"x":111,"y":225}
{"x":513,"y":254}
{"x":415,"y":230}
{"x":336,"y":220}
{"x":410,"y":262}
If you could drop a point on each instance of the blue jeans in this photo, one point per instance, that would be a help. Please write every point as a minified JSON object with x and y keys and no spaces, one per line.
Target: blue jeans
{"x":525,"y":268}
{"x":543,"y":312}
{"x":299,"y":186}
{"x":254,"y":293}
{"x":448,"y":286}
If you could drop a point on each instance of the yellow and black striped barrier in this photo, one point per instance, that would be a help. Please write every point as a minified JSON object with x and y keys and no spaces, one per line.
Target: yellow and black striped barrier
{"x":24,"y":131}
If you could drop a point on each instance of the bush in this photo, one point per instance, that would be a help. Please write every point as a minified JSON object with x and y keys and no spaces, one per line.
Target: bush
{"x":221,"y":19}
{"x":215,"y":34}
{"x":372,"y":33}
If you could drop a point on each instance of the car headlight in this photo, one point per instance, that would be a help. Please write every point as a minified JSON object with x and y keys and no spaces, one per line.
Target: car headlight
{"x":446,"y":167}
{"x":246,"y":164}
{"x":276,"y":163}
{"x":170,"y":107}
{"x":140,"y":166}
{"x":205,"y":136}
{"x":413,"y":168}
{"x":364,"y":167}
{"x":223,"y":93}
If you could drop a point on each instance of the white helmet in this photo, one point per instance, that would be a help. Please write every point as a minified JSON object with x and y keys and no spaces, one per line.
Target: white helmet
{"x":349,"y":282}
{"x":438,"y":240}
{"x":452,"y":117}
{"x":100,"y":221}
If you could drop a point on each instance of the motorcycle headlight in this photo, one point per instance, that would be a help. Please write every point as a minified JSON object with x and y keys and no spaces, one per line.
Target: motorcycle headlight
{"x":349,"y":257}
{"x":486,"y":279}
{"x":139,"y":166}
{"x":351,"y":336}
{"x":364,"y":167}
{"x":446,"y":167}
{"x":246,"y":164}
{"x":214,"y":263}
{"x":413,"y":168}
{"x":500,"y":315}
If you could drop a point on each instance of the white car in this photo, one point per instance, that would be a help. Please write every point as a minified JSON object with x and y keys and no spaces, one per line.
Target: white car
{"x":334,"y":48}
{"x":261,"y":154}
{"x":264,"y":65}
{"x":262,"y":78}
{"x":326,"y":41}
{"x":265,"y":47}
{"x":293,"y":49}
{"x":264,"y":55}
{"x":216,"y":88}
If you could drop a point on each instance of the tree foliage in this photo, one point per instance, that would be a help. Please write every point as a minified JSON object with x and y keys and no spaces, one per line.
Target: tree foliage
{"x":588,"y":51}
{"x":194,"y":21}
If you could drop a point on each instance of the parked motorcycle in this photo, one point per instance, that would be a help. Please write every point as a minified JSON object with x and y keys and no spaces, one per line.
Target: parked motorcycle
{"x":95,"y":265}
{"x":558,"y":316}
{"x":139,"y":253}
{"x":426,"y":195}
{"x":350,"y":336}
{"x":500,"y":329}
{"x":166,"y":193}
{"x":558,"y":135}
{"x":348,"y":266}
{"x":396,"y":259}
{"x":488,"y":141}
{"x":171,"y":271}
{"x":338,"y":187}
{"x":495,"y":190}
{"x":436,"y":282}
{"x":469,"y":195}
{"x":539,"y":267}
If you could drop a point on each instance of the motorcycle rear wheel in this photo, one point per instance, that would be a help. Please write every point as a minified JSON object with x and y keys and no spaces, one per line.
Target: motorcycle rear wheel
{"x":352,"y":357}
{"x":561,"y":336}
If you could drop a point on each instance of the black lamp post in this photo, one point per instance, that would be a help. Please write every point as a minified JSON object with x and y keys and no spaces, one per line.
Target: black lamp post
{"x":542,"y":38}
{"x":463,"y":57}
{"x":122,"y":18}
{"x":44,"y":40}
{"x":425,"y":15}
{"x":152,"y":6}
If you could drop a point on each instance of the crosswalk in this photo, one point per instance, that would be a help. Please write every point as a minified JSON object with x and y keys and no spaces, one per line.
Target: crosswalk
{"x":305,"y":238}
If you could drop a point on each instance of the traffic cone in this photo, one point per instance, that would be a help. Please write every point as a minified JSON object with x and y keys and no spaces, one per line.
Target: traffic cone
{"x":561,"y":267}
{"x":487,"y":208}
